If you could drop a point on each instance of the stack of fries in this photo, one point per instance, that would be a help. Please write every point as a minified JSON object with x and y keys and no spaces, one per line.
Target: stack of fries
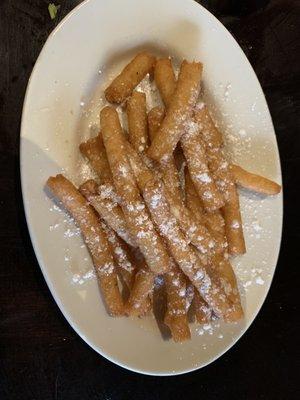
{"x":140,"y":220}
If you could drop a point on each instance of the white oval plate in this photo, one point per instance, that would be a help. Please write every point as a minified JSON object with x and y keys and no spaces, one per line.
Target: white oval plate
{"x":61,"y":108}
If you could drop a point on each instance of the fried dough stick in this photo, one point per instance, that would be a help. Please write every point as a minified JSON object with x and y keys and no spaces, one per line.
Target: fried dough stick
{"x":101,"y":197}
{"x":254,"y":182}
{"x":175,"y":282}
{"x":219,"y":168}
{"x":176,"y":315}
{"x":195,"y":232}
{"x":178,"y":113}
{"x":221,"y":267}
{"x":165,"y":79}
{"x":137,"y":121}
{"x":203,"y":312}
{"x":94,"y":151}
{"x":183,"y":254}
{"x":136,"y":215}
{"x":140,"y":280}
{"x":139,"y":301}
{"x":231,"y":210}
{"x":123,"y":85}
{"x":214,"y":221}
{"x":192,"y":145}
{"x":95,"y":239}
{"x":121,"y":251}
{"x":194,"y":150}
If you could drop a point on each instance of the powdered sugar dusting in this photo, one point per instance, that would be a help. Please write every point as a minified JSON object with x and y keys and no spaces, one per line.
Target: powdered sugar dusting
{"x":255,"y":268}
{"x":204,"y":177}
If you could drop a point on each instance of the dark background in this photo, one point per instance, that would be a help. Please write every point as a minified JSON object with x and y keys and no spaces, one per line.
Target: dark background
{"x":41,"y":357}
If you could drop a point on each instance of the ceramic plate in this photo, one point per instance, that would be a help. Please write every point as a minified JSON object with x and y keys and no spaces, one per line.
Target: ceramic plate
{"x":61,"y":109}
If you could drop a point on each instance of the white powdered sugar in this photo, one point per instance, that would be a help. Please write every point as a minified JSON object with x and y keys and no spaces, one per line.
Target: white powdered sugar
{"x":259,"y":280}
{"x":204,"y":177}
{"x":198,"y":275}
{"x":155,"y":200}
{"x":207,"y":194}
{"x":123,"y":169}
{"x":235,"y":224}
{"x":252,"y":270}
{"x":191,"y":128}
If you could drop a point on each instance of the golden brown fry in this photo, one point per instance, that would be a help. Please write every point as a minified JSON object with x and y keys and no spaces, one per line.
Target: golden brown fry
{"x":195,"y":232}
{"x":123,"y":85}
{"x":233,"y":223}
{"x":231,"y":210}
{"x":223,"y":178}
{"x":94,"y":151}
{"x":176,"y":316}
{"x":192,"y":144}
{"x":194,"y":151}
{"x":155,"y":118}
{"x":122,"y":256}
{"x":169,"y":170}
{"x":113,"y":214}
{"x":139,"y":301}
{"x":254,"y":182}
{"x":211,"y":135}
{"x":178,"y":113}
{"x":219,"y":264}
{"x":165,"y":79}
{"x":203,"y":312}
{"x":192,"y":199}
{"x":136,"y":214}
{"x":121,"y":252}
{"x":213,"y":221}
{"x":102,"y":199}
{"x":94,"y":237}
{"x":137,"y":121}
{"x":225,"y":274}
{"x":183,"y":254}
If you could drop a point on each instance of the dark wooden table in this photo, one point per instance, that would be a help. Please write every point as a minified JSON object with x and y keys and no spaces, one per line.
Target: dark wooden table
{"x":41,"y":357}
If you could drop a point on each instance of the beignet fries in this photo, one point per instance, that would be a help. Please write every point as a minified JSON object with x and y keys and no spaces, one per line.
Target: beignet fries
{"x":178,"y":113}
{"x":108,"y":208}
{"x":165,"y":79}
{"x":137,"y":121}
{"x":136,"y":215}
{"x":183,"y":254}
{"x":210,"y":133}
{"x":94,"y":151}
{"x":138,"y":302}
{"x":193,"y":230}
{"x":213,"y":221}
{"x":176,"y":317}
{"x":95,"y":239}
{"x":254,"y":182}
{"x":155,"y":118}
{"x":160,"y":222}
{"x":192,"y":144}
{"x":231,"y":210}
{"x":123,"y":85}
